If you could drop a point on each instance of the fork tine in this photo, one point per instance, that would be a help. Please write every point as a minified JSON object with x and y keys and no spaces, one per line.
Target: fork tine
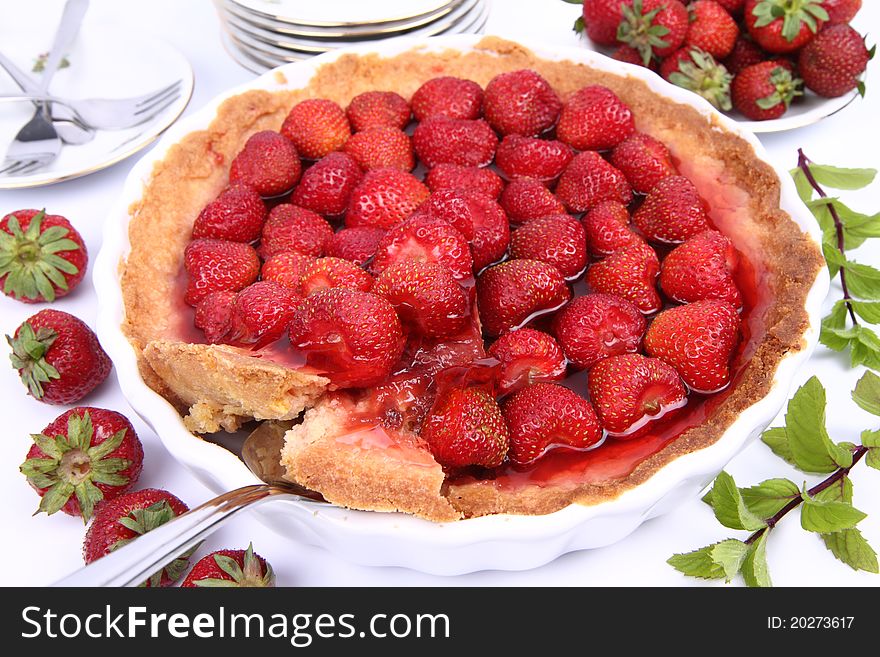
{"x":10,"y":166}
{"x":16,"y":167}
{"x":148,"y":99}
{"x":157,"y":106}
{"x":32,"y":166}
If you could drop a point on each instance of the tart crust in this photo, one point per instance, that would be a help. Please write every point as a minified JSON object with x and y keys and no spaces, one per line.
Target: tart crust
{"x":221,"y":386}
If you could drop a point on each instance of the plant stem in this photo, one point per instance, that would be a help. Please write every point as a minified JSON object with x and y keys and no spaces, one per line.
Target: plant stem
{"x":835,"y":476}
{"x":804,"y":165}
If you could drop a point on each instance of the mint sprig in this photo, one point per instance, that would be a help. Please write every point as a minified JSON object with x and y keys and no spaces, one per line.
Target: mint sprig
{"x":844,"y":229}
{"x":826,"y":508}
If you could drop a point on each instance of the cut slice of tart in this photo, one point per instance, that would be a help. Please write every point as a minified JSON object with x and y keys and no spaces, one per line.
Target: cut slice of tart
{"x":367,"y":364}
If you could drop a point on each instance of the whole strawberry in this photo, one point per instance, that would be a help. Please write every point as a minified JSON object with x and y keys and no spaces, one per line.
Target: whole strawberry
{"x":316,"y":127}
{"x":120,"y":521}
{"x":448,"y":177}
{"x":558,"y":240}
{"x":521,"y":102}
{"x":631,"y":391}
{"x":42,"y":256}
{"x":426,"y":296}
{"x":527,"y":356}
{"x":547,"y":415}
{"x":588,"y":180}
{"x":745,"y":53}
{"x":596,"y":326}
{"x":381,"y":146}
{"x":524,"y":199}
{"x":268,"y":162}
{"x":373,"y":109}
{"x":58,"y":357}
{"x":231,"y":568}
{"x":447,"y":96}
{"x":698,"y":340}
{"x":384,"y":198}
{"x":607,"y":229}
{"x":764,"y":91}
{"x":260,"y":313}
{"x":465,"y":428}
{"x":512,"y":293}
{"x":692,"y":69}
{"x":832,"y":63}
{"x":672,"y":212}
{"x":327,"y":273}
{"x":354,"y":337}
{"x":425,"y":239}
{"x":653,"y":27}
{"x":594,"y":118}
{"x":357,"y":245}
{"x":711,"y":28}
{"x":292,"y":228}
{"x":214,"y":265}
{"x":702,"y":268}
{"x":327,"y":185}
{"x":466,"y":142}
{"x":630,"y":273}
{"x":644,"y":161}
{"x":783,"y":26}
{"x":83,"y":458}
{"x":237,"y":214}
{"x":530,"y":157}
{"x":601,"y":19}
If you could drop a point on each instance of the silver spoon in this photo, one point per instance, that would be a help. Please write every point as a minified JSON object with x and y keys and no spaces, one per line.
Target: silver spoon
{"x":133,"y":563}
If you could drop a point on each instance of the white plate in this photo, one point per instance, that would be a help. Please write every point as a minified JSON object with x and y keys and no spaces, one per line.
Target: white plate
{"x":260,"y":37}
{"x":342,"y":13}
{"x":105,"y":62}
{"x":377,"y":30}
{"x":503,"y":542}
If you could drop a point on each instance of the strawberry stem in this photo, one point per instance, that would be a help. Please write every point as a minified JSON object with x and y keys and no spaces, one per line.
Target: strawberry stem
{"x":804,"y":165}
{"x":858,"y":452}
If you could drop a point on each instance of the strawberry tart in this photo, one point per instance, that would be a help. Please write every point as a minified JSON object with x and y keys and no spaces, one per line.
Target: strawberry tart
{"x":465,"y":283}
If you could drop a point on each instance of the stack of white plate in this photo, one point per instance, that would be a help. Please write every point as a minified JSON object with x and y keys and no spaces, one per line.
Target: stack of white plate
{"x":263,"y":34}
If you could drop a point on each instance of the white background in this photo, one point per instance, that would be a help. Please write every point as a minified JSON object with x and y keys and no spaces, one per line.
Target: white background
{"x":47,"y":548}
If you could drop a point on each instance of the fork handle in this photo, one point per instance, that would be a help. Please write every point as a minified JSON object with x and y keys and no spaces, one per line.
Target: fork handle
{"x":71,"y":18}
{"x":133,"y":563}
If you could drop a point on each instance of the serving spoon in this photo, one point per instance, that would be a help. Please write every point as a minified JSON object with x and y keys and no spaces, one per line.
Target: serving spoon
{"x":132,"y":564}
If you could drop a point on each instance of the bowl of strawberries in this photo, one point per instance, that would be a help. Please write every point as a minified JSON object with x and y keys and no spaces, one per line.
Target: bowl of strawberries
{"x":488,"y":338}
{"x":771,"y":65}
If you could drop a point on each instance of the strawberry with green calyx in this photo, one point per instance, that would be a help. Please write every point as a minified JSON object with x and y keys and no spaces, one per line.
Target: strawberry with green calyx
{"x":58,"y":357}
{"x":765,"y":91}
{"x":783,"y":26}
{"x":653,"y":27}
{"x":42,"y":256}
{"x":695,"y":70}
{"x":231,"y":568}
{"x":121,"y":520}
{"x":83,"y":458}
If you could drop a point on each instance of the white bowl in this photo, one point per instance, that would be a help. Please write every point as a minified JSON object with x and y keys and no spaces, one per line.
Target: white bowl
{"x":504,"y":542}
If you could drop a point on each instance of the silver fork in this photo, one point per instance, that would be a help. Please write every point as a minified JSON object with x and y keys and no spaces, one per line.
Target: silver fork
{"x":111,"y":113}
{"x":37,"y":143}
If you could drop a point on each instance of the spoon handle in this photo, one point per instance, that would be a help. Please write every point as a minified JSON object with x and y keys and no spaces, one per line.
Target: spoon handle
{"x":133,"y":563}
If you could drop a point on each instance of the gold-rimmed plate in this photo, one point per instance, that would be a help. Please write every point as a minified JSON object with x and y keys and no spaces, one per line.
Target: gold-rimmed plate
{"x":106,"y":61}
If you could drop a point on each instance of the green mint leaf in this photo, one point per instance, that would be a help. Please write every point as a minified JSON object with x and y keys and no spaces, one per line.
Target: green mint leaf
{"x":842,"y":178}
{"x":754,"y":567}
{"x":776,"y":439}
{"x":729,"y":555}
{"x":812,"y":449}
{"x":834,"y":259}
{"x":840,"y":491}
{"x":803,"y":186}
{"x":768,"y":497}
{"x":698,"y":563}
{"x":828,"y":517}
{"x":729,"y":507}
{"x":852,"y":549}
{"x":867,"y":393}
{"x":833,"y":333}
{"x":864,"y":348}
{"x":867,"y":310}
{"x":863,"y":281}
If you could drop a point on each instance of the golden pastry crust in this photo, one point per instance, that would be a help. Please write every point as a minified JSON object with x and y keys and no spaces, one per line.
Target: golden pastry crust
{"x":720,"y":164}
